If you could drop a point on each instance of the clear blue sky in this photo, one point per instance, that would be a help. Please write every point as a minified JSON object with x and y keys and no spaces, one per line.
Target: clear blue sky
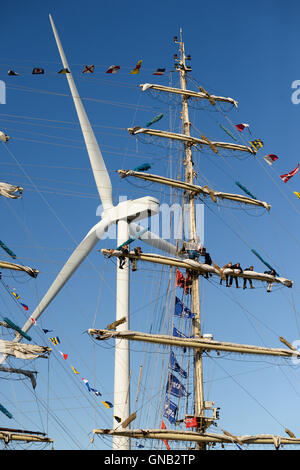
{"x":248,"y":51}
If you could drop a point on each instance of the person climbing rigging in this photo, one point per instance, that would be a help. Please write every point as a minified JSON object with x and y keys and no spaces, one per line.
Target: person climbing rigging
{"x":207,"y":260}
{"x":125,"y":251}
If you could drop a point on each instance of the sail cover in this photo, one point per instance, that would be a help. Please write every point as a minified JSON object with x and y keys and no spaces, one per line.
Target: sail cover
{"x":9,"y":190}
{"x":17,"y":267}
{"x":23,"y":351}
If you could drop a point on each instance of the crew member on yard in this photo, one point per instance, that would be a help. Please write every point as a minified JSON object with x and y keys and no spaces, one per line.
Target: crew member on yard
{"x":236,"y":266}
{"x":250,"y":280}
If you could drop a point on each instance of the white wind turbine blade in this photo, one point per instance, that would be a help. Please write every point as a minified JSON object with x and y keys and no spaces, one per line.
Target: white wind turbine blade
{"x":77,"y":257}
{"x":101,"y":175}
{"x":152,"y":239}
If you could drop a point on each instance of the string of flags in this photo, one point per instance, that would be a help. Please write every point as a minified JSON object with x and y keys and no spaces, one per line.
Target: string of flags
{"x":16,"y":296}
{"x":55,"y":340}
{"x":269,"y":159}
{"x":88,"y":69}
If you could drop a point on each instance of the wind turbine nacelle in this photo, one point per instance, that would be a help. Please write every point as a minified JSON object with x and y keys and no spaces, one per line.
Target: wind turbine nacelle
{"x":135,"y":209}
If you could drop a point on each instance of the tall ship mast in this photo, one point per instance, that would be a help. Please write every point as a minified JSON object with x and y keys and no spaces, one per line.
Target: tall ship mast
{"x":191,"y":425}
{"x":201,"y":437}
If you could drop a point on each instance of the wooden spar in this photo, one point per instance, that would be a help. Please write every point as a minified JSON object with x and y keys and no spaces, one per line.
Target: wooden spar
{"x":188,"y":93}
{"x":200,"y":267}
{"x":192,"y":436}
{"x":189,"y":139}
{"x":7,"y":435}
{"x":194,"y":343}
{"x":194,"y":188}
{"x":17,"y":267}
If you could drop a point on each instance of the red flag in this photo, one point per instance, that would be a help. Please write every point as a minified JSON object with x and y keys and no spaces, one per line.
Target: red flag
{"x":88,"y":69}
{"x":287,"y":176}
{"x":191,"y":422}
{"x":270,"y":159}
{"x":180,"y":279}
{"x":113,"y":69}
{"x":163,"y":426}
{"x":241,"y":127}
{"x":136,"y":69}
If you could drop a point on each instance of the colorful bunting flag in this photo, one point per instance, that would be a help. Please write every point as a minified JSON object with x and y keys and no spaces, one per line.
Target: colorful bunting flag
{"x":113,"y":69}
{"x":24,"y":306}
{"x":37,"y":71}
{"x":55,"y":340}
{"x":33,"y":320}
{"x":241,"y":127}
{"x":65,"y":356}
{"x":74,"y":370}
{"x":16,"y":295}
{"x":270,"y":159}
{"x":88,"y":69}
{"x":64,"y":71}
{"x":96,"y":392}
{"x":107,"y":404}
{"x":136,"y":69}
{"x":297,"y":194}
{"x":159,"y":72}
{"x":87,"y":384}
{"x":257,"y":144}
{"x":289,"y":175}
{"x":12,"y":73}
{"x":46,"y":331}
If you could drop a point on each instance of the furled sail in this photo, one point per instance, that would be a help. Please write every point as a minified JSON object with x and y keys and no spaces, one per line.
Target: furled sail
{"x":23,"y":351}
{"x":18,"y":267}
{"x":10,"y":191}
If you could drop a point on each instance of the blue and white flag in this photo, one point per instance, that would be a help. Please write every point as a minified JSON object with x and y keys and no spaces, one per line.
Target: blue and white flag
{"x":175,"y":387}
{"x":181,"y":310}
{"x":87,"y":384}
{"x":96,"y":392}
{"x":170,"y":411}
{"x":176,"y":367}
{"x":178,"y":333}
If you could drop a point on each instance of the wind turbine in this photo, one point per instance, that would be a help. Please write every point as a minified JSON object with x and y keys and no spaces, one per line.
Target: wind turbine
{"x":125,"y":214}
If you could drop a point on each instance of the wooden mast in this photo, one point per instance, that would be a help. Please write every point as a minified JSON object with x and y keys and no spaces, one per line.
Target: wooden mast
{"x":195,"y":300}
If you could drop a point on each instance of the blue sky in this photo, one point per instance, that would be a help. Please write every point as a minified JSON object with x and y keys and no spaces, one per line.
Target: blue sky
{"x":244,"y":50}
